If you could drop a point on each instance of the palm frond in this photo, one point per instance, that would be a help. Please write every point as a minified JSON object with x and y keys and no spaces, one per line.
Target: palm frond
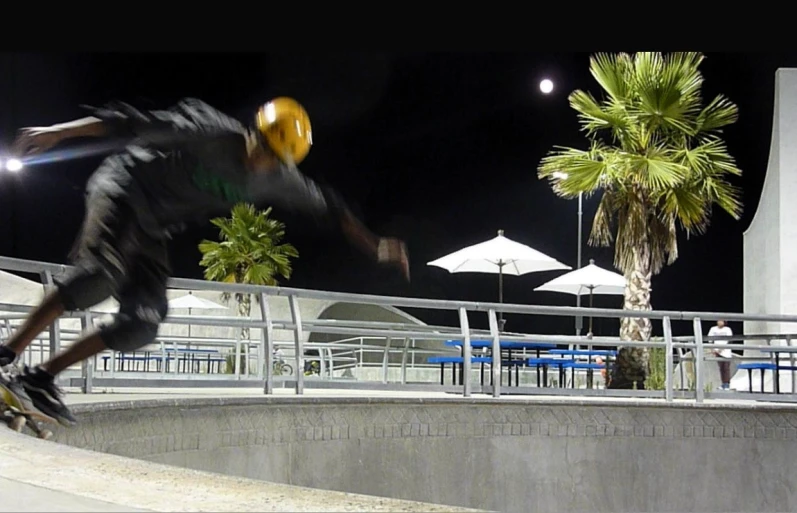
{"x":688,"y":206}
{"x":656,"y":170}
{"x":663,"y":237}
{"x":585,"y":170}
{"x":663,"y":104}
{"x":717,"y":114}
{"x":601,"y":233}
{"x":591,"y":115}
{"x":250,"y":248}
{"x":612,"y":72}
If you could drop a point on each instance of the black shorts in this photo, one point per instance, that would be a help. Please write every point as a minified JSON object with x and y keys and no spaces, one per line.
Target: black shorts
{"x":113,"y":255}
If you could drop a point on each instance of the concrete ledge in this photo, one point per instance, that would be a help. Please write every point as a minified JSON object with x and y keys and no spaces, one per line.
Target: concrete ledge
{"x":512,"y":454}
{"x":163,"y":452}
{"x":196,"y":402}
{"x":102,"y":482}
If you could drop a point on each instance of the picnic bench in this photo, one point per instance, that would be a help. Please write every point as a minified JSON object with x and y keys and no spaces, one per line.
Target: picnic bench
{"x":185,"y":359}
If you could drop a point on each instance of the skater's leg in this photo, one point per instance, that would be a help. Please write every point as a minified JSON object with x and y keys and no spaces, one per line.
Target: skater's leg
{"x":142,"y":307}
{"x":84,"y":287}
{"x":101,"y":257}
{"x":42,"y":316}
{"x":84,"y":349}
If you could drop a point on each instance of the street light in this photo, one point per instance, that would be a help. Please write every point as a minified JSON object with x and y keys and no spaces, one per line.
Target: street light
{"x":560,"y":175}
{"x":13,"y":165}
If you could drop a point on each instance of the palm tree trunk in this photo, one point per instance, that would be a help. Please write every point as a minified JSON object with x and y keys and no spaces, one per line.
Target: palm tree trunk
{"x":632,"y":362}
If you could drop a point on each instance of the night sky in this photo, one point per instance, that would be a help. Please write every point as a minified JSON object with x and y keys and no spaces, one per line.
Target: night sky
{"x":438,"y":149}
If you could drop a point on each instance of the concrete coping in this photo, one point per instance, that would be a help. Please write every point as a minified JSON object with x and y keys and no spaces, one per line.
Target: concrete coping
{"x":196,"y":402}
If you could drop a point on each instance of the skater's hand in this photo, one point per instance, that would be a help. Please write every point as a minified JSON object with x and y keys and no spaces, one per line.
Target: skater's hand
{"x":33,"y":140}
{"x":394,"y":252}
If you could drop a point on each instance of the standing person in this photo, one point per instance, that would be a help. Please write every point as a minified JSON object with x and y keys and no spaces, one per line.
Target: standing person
{"x":722,"y":330}
{"x":177,"y":165}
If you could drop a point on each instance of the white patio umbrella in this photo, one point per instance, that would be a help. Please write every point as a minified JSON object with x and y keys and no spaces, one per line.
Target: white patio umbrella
{"x":499,"y":255}
{"x":590,"y":279}
{"x":191,"y":302}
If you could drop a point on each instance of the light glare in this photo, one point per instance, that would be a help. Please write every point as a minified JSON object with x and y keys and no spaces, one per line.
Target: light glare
{"x":13,"y":165}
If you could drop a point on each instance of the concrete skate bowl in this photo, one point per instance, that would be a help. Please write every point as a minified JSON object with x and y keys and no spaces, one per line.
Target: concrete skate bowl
{"x":499,"y":455}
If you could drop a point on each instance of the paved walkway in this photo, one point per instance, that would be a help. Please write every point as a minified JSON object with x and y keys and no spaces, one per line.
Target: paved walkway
{"x":36,"y":498}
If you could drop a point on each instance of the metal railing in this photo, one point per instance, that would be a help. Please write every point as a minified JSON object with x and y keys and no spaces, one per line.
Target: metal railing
{"x":261,"y":350}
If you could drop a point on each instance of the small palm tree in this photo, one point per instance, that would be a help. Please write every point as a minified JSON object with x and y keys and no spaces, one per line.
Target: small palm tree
{"x":250,"y":251}
{"x":657,"y":161}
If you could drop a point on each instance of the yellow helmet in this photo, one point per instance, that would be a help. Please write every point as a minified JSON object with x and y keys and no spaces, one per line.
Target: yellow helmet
{"x":285,"y":126}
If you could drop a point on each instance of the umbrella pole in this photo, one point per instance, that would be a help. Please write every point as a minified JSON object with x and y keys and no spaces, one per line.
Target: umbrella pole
{"x":501,"y":294}
{"x":590,"y":305}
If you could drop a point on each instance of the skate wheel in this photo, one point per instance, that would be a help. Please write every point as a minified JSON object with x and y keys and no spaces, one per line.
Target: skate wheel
{"x":17,"y":423}
{"x":45,"y":434}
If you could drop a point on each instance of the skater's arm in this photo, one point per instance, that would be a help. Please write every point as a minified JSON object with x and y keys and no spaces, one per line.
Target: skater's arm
{"x":189,"y":120}
{"x":385,"y":250}
{"x":83,"y":127}
{"x":33,"y":140}
{"x":291,"y":189}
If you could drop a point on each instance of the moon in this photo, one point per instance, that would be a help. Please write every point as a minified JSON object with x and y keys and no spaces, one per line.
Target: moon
{"x":546,"y":86}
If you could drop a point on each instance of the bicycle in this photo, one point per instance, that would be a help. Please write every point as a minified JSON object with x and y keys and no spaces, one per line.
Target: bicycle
{"x":280,"y":368}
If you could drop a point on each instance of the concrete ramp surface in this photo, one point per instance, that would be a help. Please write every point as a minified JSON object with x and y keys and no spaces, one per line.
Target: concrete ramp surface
{"x":511,"y":456}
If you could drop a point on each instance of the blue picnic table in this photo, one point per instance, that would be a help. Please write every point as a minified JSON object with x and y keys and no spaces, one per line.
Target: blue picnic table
{"x":776,"y":351}
{"x":507,"y":346}
{"x":589,"y":366}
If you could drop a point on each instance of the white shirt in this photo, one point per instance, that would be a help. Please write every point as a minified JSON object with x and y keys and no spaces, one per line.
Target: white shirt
{"x":725,"y":331}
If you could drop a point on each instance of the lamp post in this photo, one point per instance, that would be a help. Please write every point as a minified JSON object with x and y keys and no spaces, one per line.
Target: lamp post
{"x":12,"y":167}
{"x":561,"y":176}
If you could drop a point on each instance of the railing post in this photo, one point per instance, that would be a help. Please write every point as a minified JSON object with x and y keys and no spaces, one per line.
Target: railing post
{"x":669,"y":368}
{"x":385,"y":359}
{"x":331,"y":362}
{"x":682,"y":368}
{"x":164,"y":357}
{"x":237,"y":352}
{"x":466,"y":352}
{"x":55,"y":327}
{"x":699,"y":376}
{"x":267,"y":345}
{"x":495,"y":366}
{"x":404,"y":361}
{"x":791,"y":364}
{"x":298,"y":335}
{"x":87,"y":366}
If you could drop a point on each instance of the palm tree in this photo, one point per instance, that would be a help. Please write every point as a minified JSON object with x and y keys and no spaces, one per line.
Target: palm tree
{"x":657,"y":161}
{"x":250,"y":251}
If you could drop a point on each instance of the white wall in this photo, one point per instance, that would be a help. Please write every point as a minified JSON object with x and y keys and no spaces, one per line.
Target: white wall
{"x":770,"y":243}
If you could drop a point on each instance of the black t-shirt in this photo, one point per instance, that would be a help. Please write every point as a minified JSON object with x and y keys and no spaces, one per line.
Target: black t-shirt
{"x":186,"y":163}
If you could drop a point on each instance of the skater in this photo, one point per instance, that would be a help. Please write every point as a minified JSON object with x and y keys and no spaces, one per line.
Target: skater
{"x":176,"y":166}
